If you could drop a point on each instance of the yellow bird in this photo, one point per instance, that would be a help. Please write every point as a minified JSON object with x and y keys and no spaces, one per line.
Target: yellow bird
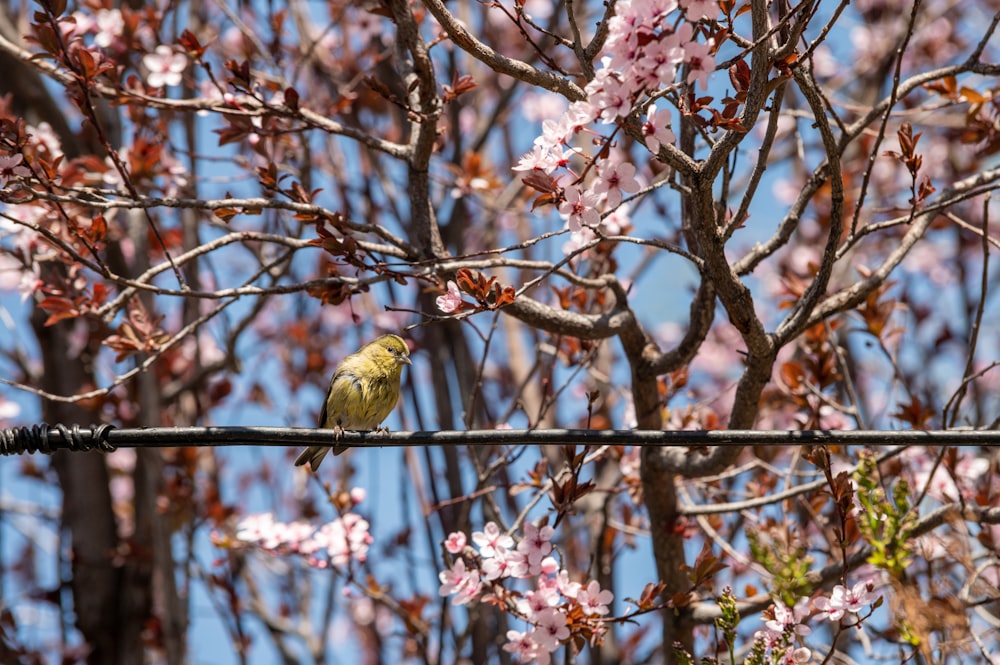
{"x":363,"y":392}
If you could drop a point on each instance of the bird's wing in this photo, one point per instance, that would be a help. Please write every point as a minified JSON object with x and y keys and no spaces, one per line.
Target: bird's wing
{"x":322,"y":411}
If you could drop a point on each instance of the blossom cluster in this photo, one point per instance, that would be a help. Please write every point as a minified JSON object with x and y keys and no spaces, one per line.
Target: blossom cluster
{"x":555,"y":607}
{"x":334,"y":543}
{"x":843,"y":600}
{"x":112,"y":33}
{"x":784,"y":625}
{"x":646,"y":47}
{"x":943,"y":484}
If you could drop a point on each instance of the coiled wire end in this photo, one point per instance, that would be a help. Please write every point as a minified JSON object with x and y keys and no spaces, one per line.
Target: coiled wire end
{"x":38,"y":438}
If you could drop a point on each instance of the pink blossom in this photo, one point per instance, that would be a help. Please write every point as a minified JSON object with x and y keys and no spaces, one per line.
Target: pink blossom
{"x":658,"y":64}
{"x":843,"y":600}
{"x":622,"y":41}
{"x":793,"y":656}
{"x":676,"y":41}
{"x":790,"y":619}
{"x":656,"y":129}
{"x":535,"y":602}
{"x":580,"y":114}
{"x":11,"y":167}
{"x":8,"y":411}
{"x":613,"y":178}
{"x":616,"y":102}
{"x":617,"y":220}
{"x":110,"y":26}
{"x":550,"y":629}
{"x":490,"y":539}
{"x":785,"y":621}
{"x":523,"y":647}
{"x":566,"y":586}
{"x":720,"y":355}
{"x":341,"y":540}
{"x":578,"y":240}
{"x":695,"y":10}
{"x":594,"y":600}
{"x":366,"y":26}
{"x":537,"y":106}
{"x":504,"y":564}
{"x":455,"y":542}
{"x":632,"y":20}
{"x":655,"y":68}
{"x":555,"y":132}
{"x":289,"y":535}
{"x":622,"y":45}
{"x":545,"y":160}
{"x":450,"y":302}
{"x":292,"y":536}
{"x":82,"y":23}
{"x":251,"y":529}
{"x":461,"y":581}
{"x":700,"y":62}
{"x":535,"y":545}
{"x":611,"y":95}
{"x":13,"y":274}
{"x":539,"y":158}
{"x":943,"y":485}
{"x":580,"y":208}
{"x":45,"y":138}
{"x":629,"y":463}
{"x":165,"y":66}
{"x":122,"y":488}
{"x":539,"y":10}
{"x":121,"y":460}
{"x":549,"y":566}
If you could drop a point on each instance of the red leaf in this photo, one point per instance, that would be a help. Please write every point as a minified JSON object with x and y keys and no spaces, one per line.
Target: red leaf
{"x":292,"y":99}
{"x":59,"y":308}
{"x":190,"y":43}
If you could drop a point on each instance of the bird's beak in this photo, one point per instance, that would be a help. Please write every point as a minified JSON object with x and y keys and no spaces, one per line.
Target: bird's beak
{"x":405,"y":360}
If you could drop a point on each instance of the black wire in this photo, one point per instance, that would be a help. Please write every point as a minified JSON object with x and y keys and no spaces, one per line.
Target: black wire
{"x":46,"y":439}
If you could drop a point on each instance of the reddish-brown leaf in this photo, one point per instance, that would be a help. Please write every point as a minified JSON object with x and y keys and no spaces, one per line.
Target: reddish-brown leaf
{"x":59,"y":308}
{"x":190,"y":43}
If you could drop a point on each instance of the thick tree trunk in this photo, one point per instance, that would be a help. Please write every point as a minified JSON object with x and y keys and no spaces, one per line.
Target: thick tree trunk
{"x":88,"y":523}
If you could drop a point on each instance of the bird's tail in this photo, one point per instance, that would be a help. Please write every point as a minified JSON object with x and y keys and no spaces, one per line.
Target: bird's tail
{"x":313,"y":456}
